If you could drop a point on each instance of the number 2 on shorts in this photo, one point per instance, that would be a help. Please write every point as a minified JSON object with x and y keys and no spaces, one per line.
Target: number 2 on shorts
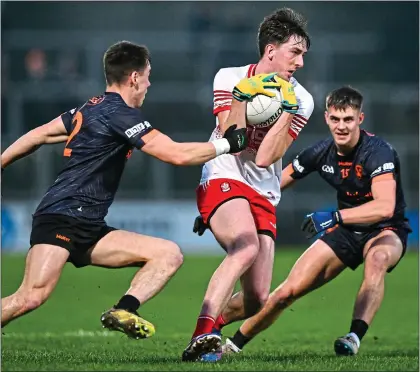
{"x":77,"y":123}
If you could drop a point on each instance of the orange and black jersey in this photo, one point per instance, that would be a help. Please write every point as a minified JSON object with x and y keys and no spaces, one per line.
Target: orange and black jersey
{"x":351,"y":175}
{"x":102,"y":133}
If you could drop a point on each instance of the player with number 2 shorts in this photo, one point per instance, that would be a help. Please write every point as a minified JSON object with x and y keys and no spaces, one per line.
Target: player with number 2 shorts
{"x":69,"y":223}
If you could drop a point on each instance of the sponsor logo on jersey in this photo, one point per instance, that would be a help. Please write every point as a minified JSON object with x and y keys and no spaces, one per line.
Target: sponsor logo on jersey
{"x":96,"y":100}
{"x":388,"y":166}
{"x":359,"y":171}
{"x":62,"y":237}
{"x":383,"y":168}
{"x":328,"y":168}
{"x":138,"y":128}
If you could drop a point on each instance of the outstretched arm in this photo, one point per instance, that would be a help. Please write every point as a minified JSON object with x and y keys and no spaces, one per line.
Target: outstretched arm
{"x":52,"y":132}
{"x":164,"y":148}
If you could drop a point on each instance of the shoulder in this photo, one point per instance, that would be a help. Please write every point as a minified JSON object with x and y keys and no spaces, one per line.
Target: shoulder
{"x":231,"y":75}
{"x":304,"y":98}
{"x":322,"y":147}
{"x":121,"y":115}
{"x":372,"y":144}
{"x":317,"y":151}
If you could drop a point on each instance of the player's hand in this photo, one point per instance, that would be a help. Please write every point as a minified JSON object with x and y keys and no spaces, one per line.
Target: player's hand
{"x":199,"y":226}
{"x":248,"y":88}
{"x":237,"y":139}
{"x":289,"y":102}
{"x":316,"y":222}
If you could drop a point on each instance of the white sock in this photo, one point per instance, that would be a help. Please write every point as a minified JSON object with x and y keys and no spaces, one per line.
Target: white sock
{"x":355,"y":337}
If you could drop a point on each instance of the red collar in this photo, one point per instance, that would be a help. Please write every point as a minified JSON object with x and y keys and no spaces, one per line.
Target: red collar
{"x":251,"y":70}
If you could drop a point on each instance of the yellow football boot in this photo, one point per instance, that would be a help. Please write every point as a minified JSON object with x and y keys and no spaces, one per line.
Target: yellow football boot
{"x":127,"y":322}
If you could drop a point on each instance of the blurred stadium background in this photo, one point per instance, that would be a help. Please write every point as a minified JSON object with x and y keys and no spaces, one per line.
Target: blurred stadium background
{"x":51,"y":61}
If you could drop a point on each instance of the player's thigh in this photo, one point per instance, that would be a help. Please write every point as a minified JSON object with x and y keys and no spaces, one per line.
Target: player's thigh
{"x":315,"y":267}
{"x":233,"y":225}
{"x":44,"y":264}
{"x":385,"y":249}
{"x":120,"y":248}
{"x":257,"y":279}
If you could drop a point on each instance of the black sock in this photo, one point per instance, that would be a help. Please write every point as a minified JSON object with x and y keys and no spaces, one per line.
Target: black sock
{"x":359,"y":327}
{"x":129,"y":303}
{"x":240,"y":340}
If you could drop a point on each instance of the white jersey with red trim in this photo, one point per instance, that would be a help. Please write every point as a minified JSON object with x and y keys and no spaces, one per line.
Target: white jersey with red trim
{"x":242,"y":167}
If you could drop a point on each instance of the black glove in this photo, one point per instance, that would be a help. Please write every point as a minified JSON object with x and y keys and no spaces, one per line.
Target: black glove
{"x":237,"y":139}
{"x":199,"y":226}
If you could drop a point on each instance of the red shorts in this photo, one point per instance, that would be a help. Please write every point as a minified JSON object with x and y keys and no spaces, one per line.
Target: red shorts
{"x":214,"y":193}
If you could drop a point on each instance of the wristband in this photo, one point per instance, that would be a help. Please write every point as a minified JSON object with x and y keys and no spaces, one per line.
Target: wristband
{"x":338,"y":217}
{"x":221,"y":145}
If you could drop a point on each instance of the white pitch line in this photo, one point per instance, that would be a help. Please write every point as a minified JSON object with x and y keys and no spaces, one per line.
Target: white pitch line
{"x":78,"y":333}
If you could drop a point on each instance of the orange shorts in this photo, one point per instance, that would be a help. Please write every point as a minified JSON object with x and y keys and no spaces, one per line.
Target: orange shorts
{"x":214,"y":193}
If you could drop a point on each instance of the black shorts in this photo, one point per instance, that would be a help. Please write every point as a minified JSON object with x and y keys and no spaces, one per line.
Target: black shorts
{"x":348,"y":245}
{"x":67,"y":232}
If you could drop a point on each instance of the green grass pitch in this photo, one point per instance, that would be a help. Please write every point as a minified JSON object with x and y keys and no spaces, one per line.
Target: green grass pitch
{"x":65,"y":334}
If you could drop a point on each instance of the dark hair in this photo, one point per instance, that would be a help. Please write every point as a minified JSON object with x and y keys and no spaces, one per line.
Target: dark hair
{"x":122,"y":58}
{"x":344,"y":97}
{"x":279,"y":26}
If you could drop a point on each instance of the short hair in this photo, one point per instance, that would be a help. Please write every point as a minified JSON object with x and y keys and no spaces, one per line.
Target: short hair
{"x":123,"y":58}
{"x":344,"y":97}
{"x":280,"y":26}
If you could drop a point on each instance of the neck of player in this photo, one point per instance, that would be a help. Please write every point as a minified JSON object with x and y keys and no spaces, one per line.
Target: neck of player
{"x":124,"y":93}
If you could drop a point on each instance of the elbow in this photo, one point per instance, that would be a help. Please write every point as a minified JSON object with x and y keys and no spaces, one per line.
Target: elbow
{"x":37,"y":137}
{"x":387,"y":211}
{"x":263,"y":162}
{"x":180,"y":159}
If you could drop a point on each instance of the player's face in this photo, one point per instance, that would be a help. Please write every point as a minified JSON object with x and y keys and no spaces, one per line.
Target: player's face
{"x":344,"y":125}
{"x":140,"y":82}
{"x":288,"y":57}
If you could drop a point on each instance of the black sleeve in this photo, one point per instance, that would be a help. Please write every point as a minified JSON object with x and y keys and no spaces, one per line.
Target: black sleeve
{"x":304,"y":163}
{"x":67,"y":118}
{"x":381,"y":161}
{"x":130,"y":124}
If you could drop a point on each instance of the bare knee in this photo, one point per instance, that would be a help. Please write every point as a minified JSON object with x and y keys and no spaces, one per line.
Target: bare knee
{"x":171,"y":257}
{"x":376,"y":265}
{"x":244,"y":254}
{"x":284,"y":296}
{"x":255,"y":302}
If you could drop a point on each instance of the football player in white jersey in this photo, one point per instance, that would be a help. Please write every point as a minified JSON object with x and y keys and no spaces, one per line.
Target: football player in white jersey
{"x":237,"y":195}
